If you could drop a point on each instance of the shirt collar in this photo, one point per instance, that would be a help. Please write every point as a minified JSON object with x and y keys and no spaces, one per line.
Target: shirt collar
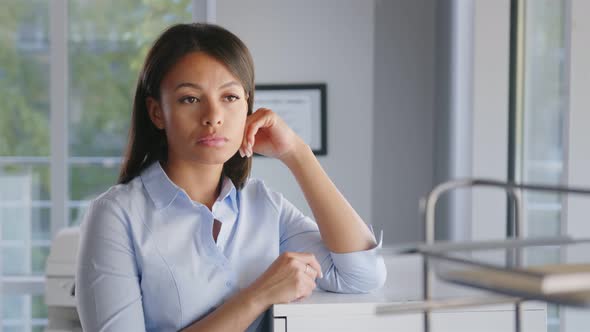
{"x":163,"y":191}
{"x":228,"y":190}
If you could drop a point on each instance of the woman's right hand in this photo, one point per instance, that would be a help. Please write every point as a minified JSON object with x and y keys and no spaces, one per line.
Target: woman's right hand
{"x":290,"y":277}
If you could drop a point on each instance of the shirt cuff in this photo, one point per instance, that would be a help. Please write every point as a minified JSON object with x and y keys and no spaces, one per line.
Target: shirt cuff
{"x":364,"y":270}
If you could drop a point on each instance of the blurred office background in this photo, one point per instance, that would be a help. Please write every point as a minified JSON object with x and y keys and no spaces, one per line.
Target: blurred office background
{"x":419,"y":91}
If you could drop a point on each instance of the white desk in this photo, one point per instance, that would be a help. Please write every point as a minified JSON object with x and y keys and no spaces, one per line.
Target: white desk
{"x":344,"y":312}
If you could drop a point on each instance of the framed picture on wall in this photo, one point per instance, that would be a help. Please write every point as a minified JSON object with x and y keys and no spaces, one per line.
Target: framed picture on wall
{"x":301,"y":106}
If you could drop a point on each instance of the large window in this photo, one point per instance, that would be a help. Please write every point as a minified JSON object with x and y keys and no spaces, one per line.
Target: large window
{"x":544,"y":110}
{"x":106,"y":42}
{"x":24,"y":160}
{"x":542,"y":97}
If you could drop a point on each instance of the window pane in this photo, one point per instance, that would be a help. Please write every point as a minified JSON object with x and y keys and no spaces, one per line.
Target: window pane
{"x":20,"y":260}
{"x":546,"y":222}
{"x":12,"y":307}
{"x":38,"y":307}
{"x":24,"y":218}
{"x":22,"y":223}
{"x":77,"y":213}
{"x":88,"y":181}
{"x":107,"y":43}
{"x":545,"y":84}
{"x":24,"y":77}
{"x":20,"y":310}
{"x":545,"y":92}
{"x":13,"y":227}
{"x":24,"y":182}
{"x":38,"y":258}
{"x":15,"y":261}
{"x":13,"y":327}
{"x":545,"y":102}
{"x":40,"y":226}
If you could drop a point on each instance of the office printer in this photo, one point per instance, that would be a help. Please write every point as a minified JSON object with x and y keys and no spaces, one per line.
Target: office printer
{"x":59,"y":286}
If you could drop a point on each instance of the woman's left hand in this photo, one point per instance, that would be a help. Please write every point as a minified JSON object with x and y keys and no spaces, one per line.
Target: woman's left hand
{"x":267,"y":134}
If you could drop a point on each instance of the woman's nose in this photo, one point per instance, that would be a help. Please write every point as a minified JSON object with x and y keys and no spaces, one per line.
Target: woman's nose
{"x":212,"y":116}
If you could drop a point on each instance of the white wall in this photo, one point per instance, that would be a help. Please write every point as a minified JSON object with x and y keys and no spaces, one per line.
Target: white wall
{"x":404,"y":112}
{"x":380,"y":154}
{"x":378,"y":59}
{"x":408,"y":66}
{"x":490,"y":115}
{"x":327,"y":41}
{"x":454,"y":114}
{"x":471,"y":115}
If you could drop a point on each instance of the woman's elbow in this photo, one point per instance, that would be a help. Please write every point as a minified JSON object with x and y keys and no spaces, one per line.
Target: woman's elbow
{"x":365,"y":279}
{"x":374,"y":278}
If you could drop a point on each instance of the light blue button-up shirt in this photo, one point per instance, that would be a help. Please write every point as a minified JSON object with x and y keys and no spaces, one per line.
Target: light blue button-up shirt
{"x":148,"y":260}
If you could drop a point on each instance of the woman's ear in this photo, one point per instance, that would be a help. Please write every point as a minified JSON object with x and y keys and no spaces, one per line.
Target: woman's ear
{"x":155,"y":112}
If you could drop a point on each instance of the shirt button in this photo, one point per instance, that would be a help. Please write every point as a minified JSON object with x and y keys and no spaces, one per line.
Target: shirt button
{"x":228,"y":284}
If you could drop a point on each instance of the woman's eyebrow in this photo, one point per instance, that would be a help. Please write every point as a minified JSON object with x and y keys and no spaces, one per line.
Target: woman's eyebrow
{"x":230,"y":83}
{"x":198,"y":87}
{"x":188,"y":84}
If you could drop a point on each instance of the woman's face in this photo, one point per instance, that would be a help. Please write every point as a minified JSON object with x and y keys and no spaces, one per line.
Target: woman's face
{"x":203,"y":109}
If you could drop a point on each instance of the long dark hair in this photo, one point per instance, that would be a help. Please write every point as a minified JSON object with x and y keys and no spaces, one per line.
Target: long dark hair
{"x":147,"y":143}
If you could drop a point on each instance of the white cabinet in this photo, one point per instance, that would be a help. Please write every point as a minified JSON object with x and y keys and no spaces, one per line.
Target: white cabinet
{"x":349,"y":317}
{"x":325,"y":311}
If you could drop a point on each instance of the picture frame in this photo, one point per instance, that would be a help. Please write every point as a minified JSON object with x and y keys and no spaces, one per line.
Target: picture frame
{"x":301,"y":106}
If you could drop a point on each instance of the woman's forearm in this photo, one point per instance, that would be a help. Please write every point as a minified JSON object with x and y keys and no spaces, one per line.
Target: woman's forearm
{"x":236,"y":314}
{"x":341,"y":228}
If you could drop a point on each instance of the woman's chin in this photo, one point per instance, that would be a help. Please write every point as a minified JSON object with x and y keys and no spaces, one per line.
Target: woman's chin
{"x":214,"y":158}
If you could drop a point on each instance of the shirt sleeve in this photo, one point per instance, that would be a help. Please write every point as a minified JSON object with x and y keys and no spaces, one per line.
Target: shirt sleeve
{"x":108,"y":294}
{"x":354,"y":272}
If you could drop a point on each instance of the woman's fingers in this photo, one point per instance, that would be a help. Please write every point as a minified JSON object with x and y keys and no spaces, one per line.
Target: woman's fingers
{"x":250,"y":135}
{"x":306,"y":288}
{"x":261,"y":118}
{"x":310,"y":271}
{"x":313,"y":264}
{"x":269,"y":134}
{"x":310,"y":264}
{"x":291,"y":276}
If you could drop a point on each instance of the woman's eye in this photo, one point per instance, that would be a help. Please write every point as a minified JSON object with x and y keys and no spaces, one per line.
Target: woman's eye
{"x":189,"y":100}
{"x":232,"y":98}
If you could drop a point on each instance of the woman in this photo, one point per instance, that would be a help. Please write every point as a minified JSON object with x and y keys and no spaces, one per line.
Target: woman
{"x":186,"y":240}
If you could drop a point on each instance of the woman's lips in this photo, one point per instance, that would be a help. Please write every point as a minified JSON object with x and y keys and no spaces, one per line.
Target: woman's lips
{"x":213,"y":141}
